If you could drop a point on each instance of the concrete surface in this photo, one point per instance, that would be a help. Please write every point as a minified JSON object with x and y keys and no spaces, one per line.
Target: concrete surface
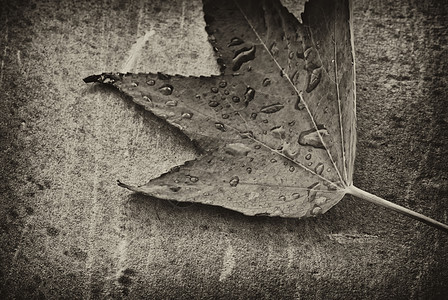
{"x":68,"y":231}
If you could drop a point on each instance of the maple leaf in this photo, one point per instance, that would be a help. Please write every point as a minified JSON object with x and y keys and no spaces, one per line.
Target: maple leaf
{"x":277,"y":128}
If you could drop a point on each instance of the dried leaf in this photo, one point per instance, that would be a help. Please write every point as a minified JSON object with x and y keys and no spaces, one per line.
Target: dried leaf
{"x":277,"y":127}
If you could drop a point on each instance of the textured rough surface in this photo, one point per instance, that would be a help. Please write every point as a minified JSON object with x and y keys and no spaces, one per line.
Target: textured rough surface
{"x":67,"y":230}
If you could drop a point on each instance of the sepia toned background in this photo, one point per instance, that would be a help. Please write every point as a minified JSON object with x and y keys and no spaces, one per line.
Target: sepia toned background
{"x":68,"y":231}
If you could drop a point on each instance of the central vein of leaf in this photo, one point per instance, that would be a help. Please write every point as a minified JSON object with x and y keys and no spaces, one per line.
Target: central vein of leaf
{"x":339,"y":106}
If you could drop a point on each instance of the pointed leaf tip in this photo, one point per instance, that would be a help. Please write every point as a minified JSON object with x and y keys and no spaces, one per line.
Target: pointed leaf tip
{"x":92,"y":78}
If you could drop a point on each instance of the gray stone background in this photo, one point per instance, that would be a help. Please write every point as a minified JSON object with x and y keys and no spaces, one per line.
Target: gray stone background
{"x":68,"y":231}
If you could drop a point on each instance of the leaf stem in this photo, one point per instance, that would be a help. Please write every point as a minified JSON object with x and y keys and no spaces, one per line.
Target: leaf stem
{"x":353,"y":190}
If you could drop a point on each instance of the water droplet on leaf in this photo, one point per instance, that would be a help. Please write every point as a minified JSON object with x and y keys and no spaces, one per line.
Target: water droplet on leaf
{"x":307,"y":52}
{"x":220,"y":127}
{"x":266,"y":82}
{"x":213,"y":103}
{"x":151,"y":82}
{"x":308,"y":156}
{"x":319,"y":168}
{"x":311,"y":137}
{"x":249,"y":95}
{"x":222,"y":84}
{"x":166,"y":89}
{"x":243,"y":55}
{"x":194,"y":179}
{"x":273,"y":108}
{"x":171,"y":103}
{"x":187,"y":116}
{"x":236,"y":99}
{"x":235,"y":42}
{"x":177,"y":125}
{"x":214,"y":89}
{"x":313,"y":79}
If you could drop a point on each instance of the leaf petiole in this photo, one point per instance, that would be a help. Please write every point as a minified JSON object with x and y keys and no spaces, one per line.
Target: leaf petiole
{"x":353,"y":190}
